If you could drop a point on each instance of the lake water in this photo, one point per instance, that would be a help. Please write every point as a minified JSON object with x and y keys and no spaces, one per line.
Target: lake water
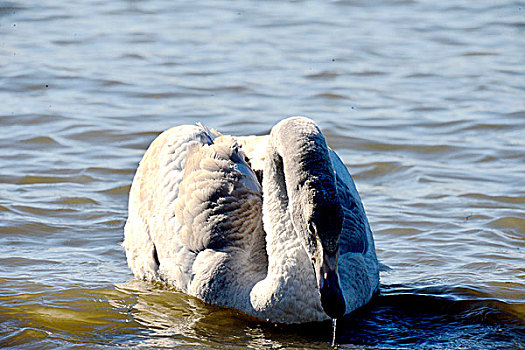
{"x":423,"y":100}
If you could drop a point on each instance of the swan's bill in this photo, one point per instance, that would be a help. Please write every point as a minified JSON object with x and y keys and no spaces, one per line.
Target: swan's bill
{"x":332,"y":299}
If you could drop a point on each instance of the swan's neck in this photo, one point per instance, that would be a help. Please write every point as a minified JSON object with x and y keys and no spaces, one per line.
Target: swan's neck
{"x":289,"y":292}
{"x":276,"y":215}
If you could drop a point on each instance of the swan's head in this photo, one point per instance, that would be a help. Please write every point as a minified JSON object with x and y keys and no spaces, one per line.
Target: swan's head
{"x":320,"y":224}
{"x":315,"y":207}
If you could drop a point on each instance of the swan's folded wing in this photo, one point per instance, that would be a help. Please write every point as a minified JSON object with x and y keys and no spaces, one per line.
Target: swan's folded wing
{"x":219,"y":199}
{"x":150,"y":234}
{"x":354,"y":236}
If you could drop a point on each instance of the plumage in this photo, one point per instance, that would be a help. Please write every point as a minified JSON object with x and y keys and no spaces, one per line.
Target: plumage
{"x":270,"y":225}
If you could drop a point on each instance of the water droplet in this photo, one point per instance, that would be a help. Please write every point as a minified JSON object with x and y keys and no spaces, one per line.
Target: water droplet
{"x":334,"y":323}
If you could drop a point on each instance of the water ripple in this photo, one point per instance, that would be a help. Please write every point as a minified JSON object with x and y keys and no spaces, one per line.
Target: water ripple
{"x":424,"y":107}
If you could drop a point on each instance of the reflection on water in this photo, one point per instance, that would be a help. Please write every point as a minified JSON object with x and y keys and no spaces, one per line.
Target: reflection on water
{"x":142,"y":314}
{"x":423,"y":101}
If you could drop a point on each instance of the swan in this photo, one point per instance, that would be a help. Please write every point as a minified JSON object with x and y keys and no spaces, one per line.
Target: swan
{"x":270,"y":225}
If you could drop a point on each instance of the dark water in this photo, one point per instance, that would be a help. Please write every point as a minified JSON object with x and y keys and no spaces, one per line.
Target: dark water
{"x":424,"y":101}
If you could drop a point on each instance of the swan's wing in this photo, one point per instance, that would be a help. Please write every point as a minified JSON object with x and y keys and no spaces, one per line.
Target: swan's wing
{"x":356,"y":235}
{"x":219,"y":208}
{"x":193,"y":199}
{"x":219,"y":196}
{"x":150,"y":234}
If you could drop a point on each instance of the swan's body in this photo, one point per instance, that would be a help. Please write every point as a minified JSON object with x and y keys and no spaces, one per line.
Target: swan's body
{"x":293,"y":247}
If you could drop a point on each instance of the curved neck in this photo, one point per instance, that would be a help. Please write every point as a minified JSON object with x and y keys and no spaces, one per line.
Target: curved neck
{"x":295,"y":156}
{"x":278,"y":226}
{"x":304,"y":165}
{"x":299,"y":182}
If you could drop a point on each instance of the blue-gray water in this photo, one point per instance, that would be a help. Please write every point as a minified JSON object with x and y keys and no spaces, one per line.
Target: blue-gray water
{"x":423,"y":100}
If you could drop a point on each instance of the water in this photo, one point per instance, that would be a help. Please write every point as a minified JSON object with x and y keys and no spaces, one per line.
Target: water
{"x":424,"y":101}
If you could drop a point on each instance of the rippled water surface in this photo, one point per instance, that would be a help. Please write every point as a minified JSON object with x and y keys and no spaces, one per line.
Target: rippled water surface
{"x":423,"y":100}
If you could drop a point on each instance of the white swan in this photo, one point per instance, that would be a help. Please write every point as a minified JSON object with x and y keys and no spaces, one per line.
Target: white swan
{"x":292,"y":247}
